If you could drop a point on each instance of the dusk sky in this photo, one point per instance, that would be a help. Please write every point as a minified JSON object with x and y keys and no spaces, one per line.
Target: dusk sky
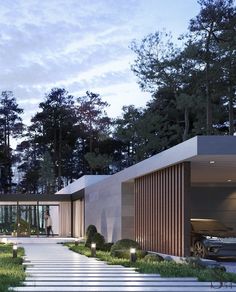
{"x":80,"y":45}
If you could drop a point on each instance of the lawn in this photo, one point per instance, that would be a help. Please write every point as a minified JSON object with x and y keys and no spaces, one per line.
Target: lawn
{"x":11,"y":269}
{"x":164,"y":268}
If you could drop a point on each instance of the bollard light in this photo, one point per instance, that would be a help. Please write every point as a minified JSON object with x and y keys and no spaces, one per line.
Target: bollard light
{"x":93,"y":249}
{"x":4,"y":240}
{"x":14,"y":251}
{"x":76,"y":241}
{"x":133,"y":255}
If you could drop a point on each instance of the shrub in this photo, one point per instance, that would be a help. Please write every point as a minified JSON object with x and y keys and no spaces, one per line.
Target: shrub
{"x":107,"y":246}
{"x":125,"y":254}
{"x":150,"y":258}
{"x":124,"y":244}
{"x":91,"y":230}
{"x":99,"y":240}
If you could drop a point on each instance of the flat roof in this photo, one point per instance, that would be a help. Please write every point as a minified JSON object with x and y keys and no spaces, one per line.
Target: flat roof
{"x":199,"y":147}
{"x":199,"y":150}
{"x":81,"y":184}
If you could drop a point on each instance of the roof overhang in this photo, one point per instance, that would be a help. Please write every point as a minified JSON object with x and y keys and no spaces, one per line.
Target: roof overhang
{"x":34,"y":198}
{"x":213,"y":160}
{"x":80,"y":184}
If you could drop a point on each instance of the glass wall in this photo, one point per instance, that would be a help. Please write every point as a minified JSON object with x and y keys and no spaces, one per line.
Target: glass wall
{"x":26,"y":220}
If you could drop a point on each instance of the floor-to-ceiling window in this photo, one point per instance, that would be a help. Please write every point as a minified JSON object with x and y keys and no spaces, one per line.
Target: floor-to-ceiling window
{"x":25,"y":220}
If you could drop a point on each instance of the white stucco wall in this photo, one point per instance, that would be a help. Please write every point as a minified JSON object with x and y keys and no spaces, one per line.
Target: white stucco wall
{"x":103,"y":208}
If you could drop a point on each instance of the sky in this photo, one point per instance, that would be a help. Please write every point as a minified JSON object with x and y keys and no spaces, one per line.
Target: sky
{"x":81,"y":45}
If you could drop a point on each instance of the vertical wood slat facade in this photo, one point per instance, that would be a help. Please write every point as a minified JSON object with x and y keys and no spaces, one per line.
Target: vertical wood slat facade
{"x":78,"y":218}
{"x":162,"y":210}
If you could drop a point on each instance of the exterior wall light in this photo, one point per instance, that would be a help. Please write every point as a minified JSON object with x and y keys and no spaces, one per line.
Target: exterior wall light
{"x":133,"y":255}
{"x":14,"y":251}
{"x":93,"y":249}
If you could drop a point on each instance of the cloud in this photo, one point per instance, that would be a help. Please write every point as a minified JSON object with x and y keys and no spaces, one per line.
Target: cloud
{"x":79,"y":44}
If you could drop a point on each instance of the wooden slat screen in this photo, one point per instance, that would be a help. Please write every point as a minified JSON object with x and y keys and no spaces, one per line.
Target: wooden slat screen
{"x":162,"y":211}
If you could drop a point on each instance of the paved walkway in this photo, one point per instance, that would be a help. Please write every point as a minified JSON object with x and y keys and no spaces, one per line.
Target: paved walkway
{"x":53,"y":267}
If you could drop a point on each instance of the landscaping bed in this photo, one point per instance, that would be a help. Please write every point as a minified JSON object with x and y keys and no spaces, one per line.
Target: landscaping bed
{"x":165,"y":268}
{"x":11,"y":269}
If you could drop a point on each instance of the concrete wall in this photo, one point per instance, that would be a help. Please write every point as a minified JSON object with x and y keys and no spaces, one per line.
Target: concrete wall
{"x":214,"y":202}
{"x":103,"y":208}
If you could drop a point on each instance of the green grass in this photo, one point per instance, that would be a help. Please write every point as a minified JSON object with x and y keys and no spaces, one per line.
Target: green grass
{"x":164,"y":268}
{"x":11,"y":269}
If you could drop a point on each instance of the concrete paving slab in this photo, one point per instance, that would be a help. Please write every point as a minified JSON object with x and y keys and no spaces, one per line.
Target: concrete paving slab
{"x":116,"y":284}
{"x":113,"y":278}
{"x":123,"y":289}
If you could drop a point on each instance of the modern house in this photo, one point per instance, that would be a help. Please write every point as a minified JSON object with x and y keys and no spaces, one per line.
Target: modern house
{"x":153,"y":201}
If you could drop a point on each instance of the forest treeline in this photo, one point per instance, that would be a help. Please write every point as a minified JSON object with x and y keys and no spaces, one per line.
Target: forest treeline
{"x":192,"y":88}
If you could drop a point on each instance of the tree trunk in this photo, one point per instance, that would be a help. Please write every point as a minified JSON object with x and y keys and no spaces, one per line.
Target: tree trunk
{"x":208,"y":94}
{"x":186,"y":123}
{"x":59,"y":158}
{"x":231,"y":111}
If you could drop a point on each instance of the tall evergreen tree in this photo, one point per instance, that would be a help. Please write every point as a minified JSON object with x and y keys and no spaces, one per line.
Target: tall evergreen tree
{"x":95,"y":124}
{"x":207,"y":27}
{"x":11,"y":126}
{"x":55,"y":129}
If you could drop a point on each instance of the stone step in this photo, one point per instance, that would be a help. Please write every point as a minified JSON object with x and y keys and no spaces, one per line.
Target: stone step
{"x":146,"y":278}
{"x":79,"y":268}
{"x":65,"y":265}
{"x":124,"y":289}
{"x":115,"y":284}
{"x":60,"y":259}
{"x":29,"y":269}
{"x":85,"y":274}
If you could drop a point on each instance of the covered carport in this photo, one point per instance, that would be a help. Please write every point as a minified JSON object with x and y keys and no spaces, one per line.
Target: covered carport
{"x":196,"y":178}
{"x":213,"y":188}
